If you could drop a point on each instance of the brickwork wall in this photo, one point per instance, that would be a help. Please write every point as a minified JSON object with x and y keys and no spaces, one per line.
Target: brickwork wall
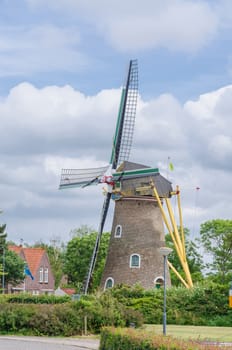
{"x":36,"y":285}
{"x":143,"y":234}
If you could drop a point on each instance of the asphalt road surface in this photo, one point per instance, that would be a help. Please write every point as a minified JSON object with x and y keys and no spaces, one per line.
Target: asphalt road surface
{"x":42,"y":343}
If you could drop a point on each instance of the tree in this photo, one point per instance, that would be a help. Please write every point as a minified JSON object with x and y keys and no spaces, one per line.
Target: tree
{"x":12,"y":266}
{"x":3,"y":235}
{"x":77,"y":258}
{"x":194,"y":259}
{"x":216,"y":238}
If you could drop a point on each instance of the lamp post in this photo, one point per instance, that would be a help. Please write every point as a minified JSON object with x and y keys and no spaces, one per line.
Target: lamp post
{"x":165,"y":251}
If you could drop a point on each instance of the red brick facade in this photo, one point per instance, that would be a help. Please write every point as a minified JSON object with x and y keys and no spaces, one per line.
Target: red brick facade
{"x":142,"y":234}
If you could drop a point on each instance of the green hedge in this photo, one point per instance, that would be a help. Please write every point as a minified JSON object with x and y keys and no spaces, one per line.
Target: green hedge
{"x":26,"y":298}
{"x":202,"y":305}
{"x":67,"y":318}
{"x":124,"y":339}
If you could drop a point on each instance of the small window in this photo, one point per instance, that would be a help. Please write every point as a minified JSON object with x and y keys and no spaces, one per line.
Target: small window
{"x":41,"y":275}
{"x":46,"y":275}
{"x":118,"y":231}
{"x":135,"y":260}
{"x":109,"y":283}
{"x":159,"y":282}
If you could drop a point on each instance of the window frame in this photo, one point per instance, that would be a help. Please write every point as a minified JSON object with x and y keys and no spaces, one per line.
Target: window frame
{"x":131,"y":260}
{"x":46,"y":272}
{"x":157,"y":279}
{"x":107,"y":280}
{"x":41,"y":275}
{"x":120,"y":231}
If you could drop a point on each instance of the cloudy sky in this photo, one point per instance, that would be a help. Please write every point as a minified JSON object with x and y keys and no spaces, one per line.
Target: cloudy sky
{"x":62,"y":65}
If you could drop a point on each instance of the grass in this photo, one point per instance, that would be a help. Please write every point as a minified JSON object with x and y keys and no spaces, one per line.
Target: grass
{"x":219,"y":334}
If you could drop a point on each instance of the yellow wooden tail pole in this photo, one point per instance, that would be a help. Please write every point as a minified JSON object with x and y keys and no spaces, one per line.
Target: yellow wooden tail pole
{"x":165,"y":219}
{"x":178,"y":275}
{"x":175,"y":229}
{"x":180,"y":218}
{"x":182,"y":258}
{"x":178,"y":243}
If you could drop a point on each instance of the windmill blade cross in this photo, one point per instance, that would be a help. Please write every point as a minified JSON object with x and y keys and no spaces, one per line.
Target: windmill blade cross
{"x":121,"y":148}
{"x":120,"y":152}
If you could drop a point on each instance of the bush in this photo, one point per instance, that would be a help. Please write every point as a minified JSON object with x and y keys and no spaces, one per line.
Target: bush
{"x":26,"y":298}
{"x":105,"y":310}
{"x":65,"y":319}
{"x":125,"y":339}
{"x":202,"y":305}
{"x":40,"y":319}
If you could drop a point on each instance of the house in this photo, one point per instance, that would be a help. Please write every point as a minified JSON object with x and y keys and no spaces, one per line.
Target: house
{"x":39,"y":278}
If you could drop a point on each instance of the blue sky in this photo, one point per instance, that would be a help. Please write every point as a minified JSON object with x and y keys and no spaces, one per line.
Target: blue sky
{"x":62,"y":64}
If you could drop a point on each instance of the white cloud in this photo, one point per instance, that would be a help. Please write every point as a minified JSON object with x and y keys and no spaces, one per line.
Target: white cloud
{"x":41,"y":117}
{"x":44,"y":130}
{"x":27,"y":49}
{"x":177,"y":25}
{"x":209,"y":121}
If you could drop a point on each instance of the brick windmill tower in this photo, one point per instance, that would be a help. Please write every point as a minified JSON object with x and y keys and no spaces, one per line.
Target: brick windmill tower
{"x":137,"y":230}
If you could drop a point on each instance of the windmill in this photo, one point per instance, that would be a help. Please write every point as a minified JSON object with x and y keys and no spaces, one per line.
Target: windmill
{"x":137,"y":229}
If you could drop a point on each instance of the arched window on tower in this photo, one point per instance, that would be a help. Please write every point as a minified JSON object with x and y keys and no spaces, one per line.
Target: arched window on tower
{"x":109,"y":283}
{"x":159,"y":282}
{"x":135,"y":260}
{"x":118,"y":231}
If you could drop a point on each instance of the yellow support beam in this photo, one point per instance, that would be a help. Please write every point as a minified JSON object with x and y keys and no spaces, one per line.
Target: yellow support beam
{"x":174,"y":226}
{"x":165,"y":219}
{"x":179,"y":242}
{"x":178,"y":275}
{"x":180,"y":218}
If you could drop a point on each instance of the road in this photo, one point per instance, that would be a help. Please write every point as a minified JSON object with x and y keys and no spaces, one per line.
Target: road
{"x":44,"y":343}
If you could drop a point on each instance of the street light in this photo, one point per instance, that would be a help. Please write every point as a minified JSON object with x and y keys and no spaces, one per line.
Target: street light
{"x":165,"y":251}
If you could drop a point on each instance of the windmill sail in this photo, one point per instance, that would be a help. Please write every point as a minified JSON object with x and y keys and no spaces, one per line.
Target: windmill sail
{"x":126,"y":118}
{"x":81,"y":177}
{"x":97,"y":242}
{"x":121,"y":148}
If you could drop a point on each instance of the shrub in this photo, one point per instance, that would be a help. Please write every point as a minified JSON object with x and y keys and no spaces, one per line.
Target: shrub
{"x":67,"y":318}
{"x":26,"y":298}
{"x":105,"y":310}
{"x":205,"y":304}
{"x":125,"y":339}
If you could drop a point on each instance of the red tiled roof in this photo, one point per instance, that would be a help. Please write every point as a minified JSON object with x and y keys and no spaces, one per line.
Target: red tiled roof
{"x":69,"y":291}
{"x":15,"y":248}
{"x":33,"y":256}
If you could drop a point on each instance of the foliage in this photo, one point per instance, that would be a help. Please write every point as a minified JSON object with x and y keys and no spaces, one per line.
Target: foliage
{"x":194,"y":259}
{"x":14,"y":268}
{"x":205,"y":304}
{"x":216,"y":238}
{"x":63,"y":318}
{"x":40,"y":319}
{"x":78,"y":255}
{"x":26,"y":298}
{"x":124,"y":339}
{"x":83,"y":230}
